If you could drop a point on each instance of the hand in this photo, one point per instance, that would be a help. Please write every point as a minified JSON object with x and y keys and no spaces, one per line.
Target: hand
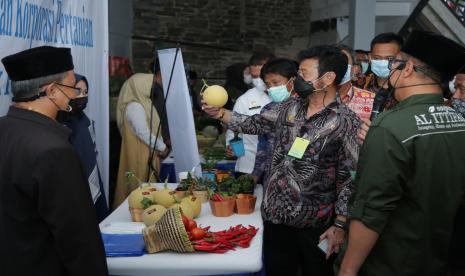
{"x":335,"y":238}
{"x":165,"y":153}
{"x":363,"y":130}
{"x":211,"y":110}
{"x":347,"y":273}
{"x":256,"y":179}
{"x":229,"y":152}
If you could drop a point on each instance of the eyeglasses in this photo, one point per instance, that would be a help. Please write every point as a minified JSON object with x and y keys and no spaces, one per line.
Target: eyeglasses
{"x":76,"y":90}
{"x":394,"y":60}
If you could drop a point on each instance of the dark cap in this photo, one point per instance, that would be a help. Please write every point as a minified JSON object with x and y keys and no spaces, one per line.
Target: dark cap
{"x":443,"y":54}
{"x":38,"y":62}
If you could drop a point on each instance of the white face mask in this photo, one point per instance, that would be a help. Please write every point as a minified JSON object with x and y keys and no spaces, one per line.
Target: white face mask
{"x":247,"y":79}
{"x":259,"y":84}
{"x":348,"y":76}
{"x":452,"y":86}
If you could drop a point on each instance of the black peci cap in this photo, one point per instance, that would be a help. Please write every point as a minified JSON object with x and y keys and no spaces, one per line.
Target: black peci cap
{"x":38,"y":62}
{"x":443,"y":54}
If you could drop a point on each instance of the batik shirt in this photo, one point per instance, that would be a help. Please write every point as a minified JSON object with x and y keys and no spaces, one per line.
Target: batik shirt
{"x":458,"y":105}
{"x":264,"y":151}
{"x":307,"y":191}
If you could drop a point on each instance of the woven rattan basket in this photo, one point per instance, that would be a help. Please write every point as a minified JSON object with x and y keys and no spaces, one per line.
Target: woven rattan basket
{"x":168,"y":234}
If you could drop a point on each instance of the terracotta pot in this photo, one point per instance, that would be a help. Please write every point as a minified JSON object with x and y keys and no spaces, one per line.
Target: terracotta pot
{"x":245,"y":205}
{"x":220,"y":175}
{"x":223,"y":208}
{"x":201,"y":195}
{"x":136,"y":214}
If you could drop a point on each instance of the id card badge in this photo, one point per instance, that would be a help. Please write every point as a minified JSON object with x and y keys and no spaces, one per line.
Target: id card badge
{"x":298,"y":148}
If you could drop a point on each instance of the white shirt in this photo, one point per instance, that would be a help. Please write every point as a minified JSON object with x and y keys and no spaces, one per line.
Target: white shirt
{"x":135,"y":114}
{"x":250,"y":103}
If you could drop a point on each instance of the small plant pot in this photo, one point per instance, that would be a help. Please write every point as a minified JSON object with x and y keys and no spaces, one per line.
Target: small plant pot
{"x":136,"y":214}
{"x":211,"y":175}
{"x":246,"y":204}
{"x":237,"y":146}
{"x":220,"y":175}
{"x":223,"y":208}
{"x":201,"y":195}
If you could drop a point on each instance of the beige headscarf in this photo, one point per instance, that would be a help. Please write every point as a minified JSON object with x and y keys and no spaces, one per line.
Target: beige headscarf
{"x":134,"y":152}
{"x":137,"y":89}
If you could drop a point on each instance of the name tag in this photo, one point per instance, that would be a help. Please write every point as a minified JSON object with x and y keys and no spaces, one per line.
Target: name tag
{"x":254,"y":105}
{"x":298,"y":148}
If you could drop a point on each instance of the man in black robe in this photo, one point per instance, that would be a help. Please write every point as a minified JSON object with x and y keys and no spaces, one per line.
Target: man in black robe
{"x":47,"y":222}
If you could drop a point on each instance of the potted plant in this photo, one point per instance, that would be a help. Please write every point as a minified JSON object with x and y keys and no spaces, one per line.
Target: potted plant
{"x":208,"y":169}
{"x":245,"y":204}
{"x":224,"y":186}
{"x":184,"y":185}
{"x":246,"y":184}
{"x":222,"y":206}
{"x":201,"y":187}
{"x":237,"y":145}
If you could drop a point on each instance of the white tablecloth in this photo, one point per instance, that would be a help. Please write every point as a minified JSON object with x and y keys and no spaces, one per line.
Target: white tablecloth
{"x":168,"y":263}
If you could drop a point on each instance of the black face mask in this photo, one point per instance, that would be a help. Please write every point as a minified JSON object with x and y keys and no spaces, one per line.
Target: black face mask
{"x":78,"y":104}
{"x":63,"y":117}
{"x":303,"y":88}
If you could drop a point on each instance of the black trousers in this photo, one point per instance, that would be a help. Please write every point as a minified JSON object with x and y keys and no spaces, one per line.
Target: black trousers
{"x":289,"y":250}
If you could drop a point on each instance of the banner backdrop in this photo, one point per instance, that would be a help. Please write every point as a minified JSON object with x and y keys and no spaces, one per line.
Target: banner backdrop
{"x":81,"y":25}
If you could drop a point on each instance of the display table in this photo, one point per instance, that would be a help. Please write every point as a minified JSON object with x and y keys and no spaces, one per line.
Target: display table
{"x":242,"y":260}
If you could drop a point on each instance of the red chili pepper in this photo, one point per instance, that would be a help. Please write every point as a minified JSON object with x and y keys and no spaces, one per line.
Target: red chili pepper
{"x":220,"y":251}
{"x":207,"y":248}
{"x":240,"y":238}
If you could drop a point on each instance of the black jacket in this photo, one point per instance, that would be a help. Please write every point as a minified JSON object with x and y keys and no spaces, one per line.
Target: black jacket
{"x":48,"y":224}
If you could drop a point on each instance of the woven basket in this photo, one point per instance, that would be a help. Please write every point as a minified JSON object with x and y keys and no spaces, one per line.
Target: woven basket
{"x":136,"y":214}
{"x":167,"y":234}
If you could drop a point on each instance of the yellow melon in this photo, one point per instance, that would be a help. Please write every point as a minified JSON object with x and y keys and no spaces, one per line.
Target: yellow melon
{"x":195,"y":203}
{"x":136,"y":198}
{"x":153,"y":214}
{"x":215,"y":95}
{"x":186,"y":209}
{"x":164,"y":197}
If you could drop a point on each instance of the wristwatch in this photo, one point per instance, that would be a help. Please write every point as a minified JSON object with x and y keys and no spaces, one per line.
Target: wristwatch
{"x":340,"y":224}
{"x":222,"y":114}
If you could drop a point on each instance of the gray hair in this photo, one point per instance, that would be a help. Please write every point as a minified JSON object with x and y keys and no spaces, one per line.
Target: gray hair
{"x":424,"y":69}
{"x":32,"y":87}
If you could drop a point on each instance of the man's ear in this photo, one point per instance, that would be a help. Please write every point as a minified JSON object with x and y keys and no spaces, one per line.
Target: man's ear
{"x":329,"y":78}
{"x":50,"y":90}
{"x":409,"y":69}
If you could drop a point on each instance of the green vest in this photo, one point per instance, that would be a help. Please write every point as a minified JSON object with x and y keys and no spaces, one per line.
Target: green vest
{"x":410,"y":181}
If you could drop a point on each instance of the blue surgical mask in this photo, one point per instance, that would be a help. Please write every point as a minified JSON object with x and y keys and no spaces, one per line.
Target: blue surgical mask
{"x":348,"y":76}
{"x":364,"y":67}
{"x":279,"y":93}
{"x":380,"y":68}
